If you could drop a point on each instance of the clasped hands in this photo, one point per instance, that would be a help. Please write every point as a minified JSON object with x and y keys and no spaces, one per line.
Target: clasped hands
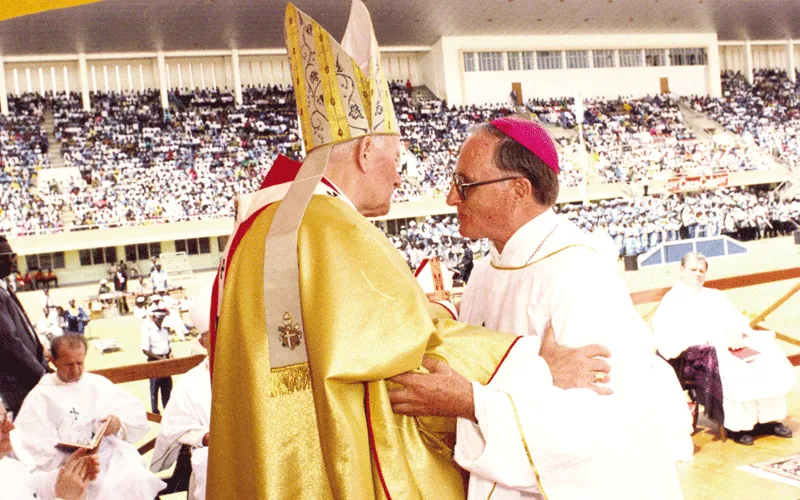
{"x":446,"y":393}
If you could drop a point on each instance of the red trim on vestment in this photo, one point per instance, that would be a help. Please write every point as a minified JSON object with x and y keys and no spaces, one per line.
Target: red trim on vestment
{"x":212,"y":323}
{"x":504,"y":358}
{"x":283,"y":170}
{"x":237,"y":238}
{"x":372,"y":442}
{"x":421,"y":265}
{"x":446,"y":309}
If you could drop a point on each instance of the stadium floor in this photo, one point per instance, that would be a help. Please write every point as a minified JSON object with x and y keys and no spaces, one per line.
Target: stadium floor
{"x":712,"y":473}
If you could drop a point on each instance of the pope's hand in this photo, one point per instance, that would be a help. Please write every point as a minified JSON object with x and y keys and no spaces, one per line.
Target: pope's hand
{"x":576,"y":368}
{"x":113,"y":426}
{"x":443,"y":392}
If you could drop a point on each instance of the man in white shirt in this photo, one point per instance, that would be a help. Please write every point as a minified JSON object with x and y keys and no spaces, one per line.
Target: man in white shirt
{"x":187,"y":417}
{"x":156,"y":346}
{"x":159,"y":279}
{"x":69,"y":406}
{"x":753,"y":391}
{"x":521,"y":436}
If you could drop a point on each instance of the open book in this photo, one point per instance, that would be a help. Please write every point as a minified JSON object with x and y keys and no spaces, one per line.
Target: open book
{"x":745,"y":353}
{"x":92,"y":444}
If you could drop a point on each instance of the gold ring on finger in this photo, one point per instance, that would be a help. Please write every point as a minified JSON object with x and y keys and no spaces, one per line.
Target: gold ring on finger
{"x":599,"y":376}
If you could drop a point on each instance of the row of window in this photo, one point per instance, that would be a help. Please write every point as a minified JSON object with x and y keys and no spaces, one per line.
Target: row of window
{"x":576,"y":59}
{"x":133,"y":253}
{"x":45,"y":261}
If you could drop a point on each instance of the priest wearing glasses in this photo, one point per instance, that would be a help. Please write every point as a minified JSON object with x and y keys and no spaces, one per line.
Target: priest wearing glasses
{"x":522,"y":435}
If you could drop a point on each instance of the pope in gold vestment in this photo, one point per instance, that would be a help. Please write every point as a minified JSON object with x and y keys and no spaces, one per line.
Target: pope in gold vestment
{"x":300,"y":408}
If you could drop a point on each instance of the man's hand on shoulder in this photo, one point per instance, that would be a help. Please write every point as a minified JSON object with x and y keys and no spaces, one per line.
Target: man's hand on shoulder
{"x":443,"y":392}
{"x":574,"y":368}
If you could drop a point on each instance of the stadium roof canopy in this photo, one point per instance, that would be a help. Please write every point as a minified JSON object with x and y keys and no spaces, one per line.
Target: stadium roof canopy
{"x":148,"y":25}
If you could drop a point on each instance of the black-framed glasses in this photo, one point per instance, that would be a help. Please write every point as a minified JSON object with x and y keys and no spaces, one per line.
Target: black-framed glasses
{"x":461,"y":187}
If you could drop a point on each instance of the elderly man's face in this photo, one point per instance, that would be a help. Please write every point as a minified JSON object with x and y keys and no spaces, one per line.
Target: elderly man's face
{"x":382,"y":174}
{"x":693,"y":273}
{"x":485,"y":211}
{"x":69,"y":364}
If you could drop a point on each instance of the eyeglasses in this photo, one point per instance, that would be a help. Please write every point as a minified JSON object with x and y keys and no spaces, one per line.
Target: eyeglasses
{"x":461,"y":186}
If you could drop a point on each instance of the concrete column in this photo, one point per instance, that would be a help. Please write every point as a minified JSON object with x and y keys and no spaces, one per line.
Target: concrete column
{"x":748,"y":61}
{"x":3,"y":91}
{"x":713,"y":67}
{"x":790,"y":60}
{"x":84,"y":77}
{"x":237,"y":77}
{"x":162,"y":81}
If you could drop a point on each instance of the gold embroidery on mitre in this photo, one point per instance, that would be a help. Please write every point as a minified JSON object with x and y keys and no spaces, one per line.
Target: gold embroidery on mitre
{"x":337,"y":100}
{"x":290,"y":334}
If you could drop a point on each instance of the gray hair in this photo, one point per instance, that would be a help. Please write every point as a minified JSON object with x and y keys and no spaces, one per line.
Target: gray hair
{"x":511,"y":156}
{"x":69,"y":341}
{"x":694,"y":256}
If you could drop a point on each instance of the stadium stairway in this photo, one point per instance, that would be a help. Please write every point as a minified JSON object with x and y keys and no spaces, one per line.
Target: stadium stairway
{"x":53,"y":151}
{"x":709,"y":130}
{"x":422,"y":93}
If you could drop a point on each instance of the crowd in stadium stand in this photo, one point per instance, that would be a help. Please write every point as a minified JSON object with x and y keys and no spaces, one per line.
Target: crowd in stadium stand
{"x":139,"y":163}
{"x":193,"y":162}
{"x":637,"y":139}
{"x":23,"y":149}
{"x":436,"y":236}
{"x":767,"y":112}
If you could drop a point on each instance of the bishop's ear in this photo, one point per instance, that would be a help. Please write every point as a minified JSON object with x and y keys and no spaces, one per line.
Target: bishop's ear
{"x":523,"y":189}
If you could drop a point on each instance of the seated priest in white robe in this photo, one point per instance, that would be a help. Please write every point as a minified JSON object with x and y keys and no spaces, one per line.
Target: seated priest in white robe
{"x":541,"y":428}
{"x":753,"y":390}
{"x":187,"y":416}
{"x":20,"y":483}
{"x":70,"y":406}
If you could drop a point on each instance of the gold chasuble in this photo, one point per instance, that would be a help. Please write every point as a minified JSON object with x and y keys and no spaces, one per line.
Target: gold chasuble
{"x":315,"y":309}
{"x":325,"y":429}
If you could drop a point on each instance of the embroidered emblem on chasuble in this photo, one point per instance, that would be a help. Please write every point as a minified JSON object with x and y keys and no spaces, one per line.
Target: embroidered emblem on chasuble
{"x":290,"y":334}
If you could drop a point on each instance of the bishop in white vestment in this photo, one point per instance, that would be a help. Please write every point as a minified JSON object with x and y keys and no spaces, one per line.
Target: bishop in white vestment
{"x":753,"y":392}
{"x":70,"y":411}
{"x":528,"y":438}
